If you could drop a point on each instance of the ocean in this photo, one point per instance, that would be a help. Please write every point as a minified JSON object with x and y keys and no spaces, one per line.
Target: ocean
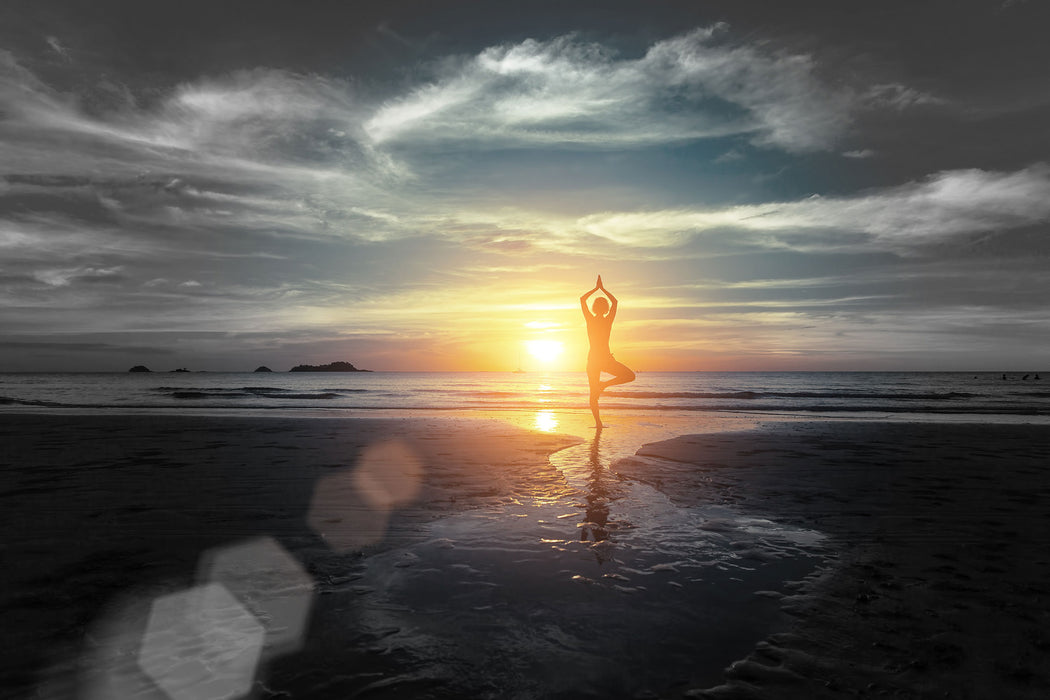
{"x":806,"y":393}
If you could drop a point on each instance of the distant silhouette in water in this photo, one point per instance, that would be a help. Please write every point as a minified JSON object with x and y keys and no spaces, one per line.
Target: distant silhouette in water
{"x":600,"y":358}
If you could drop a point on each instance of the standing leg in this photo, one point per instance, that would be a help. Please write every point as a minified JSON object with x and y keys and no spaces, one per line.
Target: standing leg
{"x":594,"y":379}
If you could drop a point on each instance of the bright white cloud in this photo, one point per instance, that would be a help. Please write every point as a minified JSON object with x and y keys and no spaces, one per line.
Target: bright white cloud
{"x":946,"y":204}
{"x":566,"y":92}
{"x":267,"y":110}
{"x":261,"y":126}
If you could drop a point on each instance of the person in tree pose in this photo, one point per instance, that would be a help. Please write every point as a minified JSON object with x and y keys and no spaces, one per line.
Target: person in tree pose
{"x":600,"y":358}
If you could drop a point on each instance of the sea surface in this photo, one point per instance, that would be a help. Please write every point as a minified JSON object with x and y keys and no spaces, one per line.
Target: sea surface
{"x":806,"y":393}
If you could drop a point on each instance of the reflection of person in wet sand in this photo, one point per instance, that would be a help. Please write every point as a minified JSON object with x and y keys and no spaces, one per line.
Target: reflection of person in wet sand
{"x":596,"y":518}
{"x":600,"y":359}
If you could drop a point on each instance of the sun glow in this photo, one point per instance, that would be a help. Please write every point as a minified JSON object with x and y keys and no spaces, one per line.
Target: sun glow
{"x":545,"y":350}
{"x":546,"y":421}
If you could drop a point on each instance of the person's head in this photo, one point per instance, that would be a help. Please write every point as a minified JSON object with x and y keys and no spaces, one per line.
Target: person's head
{"x":600,"y":306}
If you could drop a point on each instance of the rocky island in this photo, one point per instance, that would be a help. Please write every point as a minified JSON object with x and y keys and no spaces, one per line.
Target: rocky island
{"x":330,"y":367}
{"x":139,"y":368}
{"x":263,"y":368}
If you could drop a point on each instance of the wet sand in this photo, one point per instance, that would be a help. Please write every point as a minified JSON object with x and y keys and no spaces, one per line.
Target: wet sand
{"x":100,"y":513}
{"x":939,"y":585}
{"x":423,"y":557}
{"x":462,"y":557}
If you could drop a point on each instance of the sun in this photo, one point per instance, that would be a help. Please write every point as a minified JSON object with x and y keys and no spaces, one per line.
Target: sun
{"x":545,"y":350}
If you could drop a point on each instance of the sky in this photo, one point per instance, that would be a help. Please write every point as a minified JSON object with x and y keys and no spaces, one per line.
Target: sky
{"x":813,"y":185}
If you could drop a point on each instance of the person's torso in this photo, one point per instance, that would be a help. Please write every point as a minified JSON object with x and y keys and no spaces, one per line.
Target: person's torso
{"x":598,"y":330}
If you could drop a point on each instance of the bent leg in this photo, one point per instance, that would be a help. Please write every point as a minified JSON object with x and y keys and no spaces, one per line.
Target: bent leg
{"x":622,"y":374}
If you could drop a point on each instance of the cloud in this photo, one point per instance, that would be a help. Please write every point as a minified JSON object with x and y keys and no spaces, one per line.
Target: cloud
{"x":260,"y":113}
{"x":248,"y":126}
{"x":269,"y":152}
{"x":563,"y":92}
{"x":897,"y":97}
{"x":220,"y":168}
{"x":23,"y":95}
{"x":66,"y":346}
{"x":63,"y":277}
{"x":57,"y":47}
{"x":302,"y":204}
{"x":730,"y":156}
{"x":946,"y":204}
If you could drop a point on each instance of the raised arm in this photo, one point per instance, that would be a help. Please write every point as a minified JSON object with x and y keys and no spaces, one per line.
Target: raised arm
{"x":612,"y":300}
{"x":583,"y":300}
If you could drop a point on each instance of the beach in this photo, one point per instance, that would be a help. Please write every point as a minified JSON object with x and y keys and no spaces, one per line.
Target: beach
{"x":496,"y":555}
{"x":939,"y":586}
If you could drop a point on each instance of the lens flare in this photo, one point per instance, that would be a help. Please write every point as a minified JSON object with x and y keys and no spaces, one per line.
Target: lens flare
{"x":351,"y":508}
{"x":201,"y":643}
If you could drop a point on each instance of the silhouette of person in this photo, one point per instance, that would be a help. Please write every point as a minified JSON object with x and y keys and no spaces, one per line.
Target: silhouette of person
{"x":600,"y":358}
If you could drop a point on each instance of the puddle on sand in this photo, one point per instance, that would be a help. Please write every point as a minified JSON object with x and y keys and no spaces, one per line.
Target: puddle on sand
{"x":609,"y":592}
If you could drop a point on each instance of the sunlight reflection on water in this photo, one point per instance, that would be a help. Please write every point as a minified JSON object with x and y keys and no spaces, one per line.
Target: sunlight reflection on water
{"x":546,"y":421}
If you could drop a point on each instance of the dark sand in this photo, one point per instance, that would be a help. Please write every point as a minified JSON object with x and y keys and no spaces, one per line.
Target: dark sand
{"x":97,"y":511}
{"x":941,"y":582}
{"x":393,"y":558}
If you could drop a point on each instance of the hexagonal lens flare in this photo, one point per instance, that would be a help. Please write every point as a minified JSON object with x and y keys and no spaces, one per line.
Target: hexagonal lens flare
{"x":351,"y":509}
{"x":268,"y":581}
{"x":201,"y":644}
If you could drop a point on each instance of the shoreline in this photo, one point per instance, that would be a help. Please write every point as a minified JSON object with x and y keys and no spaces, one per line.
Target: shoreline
{"x":703,"y":395}
{"x":511,"y":414}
